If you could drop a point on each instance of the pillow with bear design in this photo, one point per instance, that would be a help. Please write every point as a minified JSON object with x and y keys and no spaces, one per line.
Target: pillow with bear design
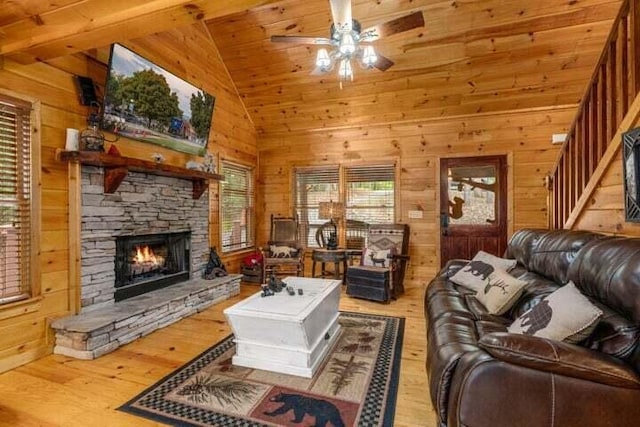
{"x":475,"y":274}
{"x":282,"y":251}
{"x":564,"y":315}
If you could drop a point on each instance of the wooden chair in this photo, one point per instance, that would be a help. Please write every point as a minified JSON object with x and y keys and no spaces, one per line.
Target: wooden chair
{"x":284,"y":255}
{"x":380,"y":275}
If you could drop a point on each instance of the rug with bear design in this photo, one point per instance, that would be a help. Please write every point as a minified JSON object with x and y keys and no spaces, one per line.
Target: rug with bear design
{"x":356,"y":385}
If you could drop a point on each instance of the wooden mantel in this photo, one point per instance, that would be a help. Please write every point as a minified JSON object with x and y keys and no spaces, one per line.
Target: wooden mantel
{"x":116,"y":169}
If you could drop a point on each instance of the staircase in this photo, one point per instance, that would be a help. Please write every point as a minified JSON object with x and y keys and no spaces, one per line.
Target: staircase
{"x":608,"y":108}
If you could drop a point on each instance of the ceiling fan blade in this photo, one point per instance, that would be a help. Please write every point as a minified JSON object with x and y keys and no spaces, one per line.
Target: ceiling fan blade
{"x":383,"y":63}
{"x":395,"y":26}
{"x":341,"y":14}
{"x":301,"y":39}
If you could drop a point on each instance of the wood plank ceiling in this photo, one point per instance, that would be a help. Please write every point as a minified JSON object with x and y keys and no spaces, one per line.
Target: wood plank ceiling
{"x":472,"y":56}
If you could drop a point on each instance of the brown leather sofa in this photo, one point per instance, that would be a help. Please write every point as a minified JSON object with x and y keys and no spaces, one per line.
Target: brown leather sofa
{"x":480,"y":375}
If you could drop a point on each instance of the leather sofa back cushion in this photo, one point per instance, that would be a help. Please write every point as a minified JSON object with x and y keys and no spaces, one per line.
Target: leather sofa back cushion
{"x":608,"y":271}
{"x":556,"y":250}
{"x":521,"y":244}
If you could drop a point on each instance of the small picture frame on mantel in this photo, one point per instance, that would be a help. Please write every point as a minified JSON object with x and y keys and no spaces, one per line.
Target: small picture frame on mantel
{"x":631,"y":169}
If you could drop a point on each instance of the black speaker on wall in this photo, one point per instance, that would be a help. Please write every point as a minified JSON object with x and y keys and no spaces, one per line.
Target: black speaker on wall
{"x":86,"y":90}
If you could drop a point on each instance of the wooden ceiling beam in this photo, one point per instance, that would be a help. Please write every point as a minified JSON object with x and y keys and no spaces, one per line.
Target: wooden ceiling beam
{"x":95,"y":23}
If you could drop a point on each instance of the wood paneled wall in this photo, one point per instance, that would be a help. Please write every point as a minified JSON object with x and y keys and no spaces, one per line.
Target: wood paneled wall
{"x":417,"y":146}
{"x":189,"y":53}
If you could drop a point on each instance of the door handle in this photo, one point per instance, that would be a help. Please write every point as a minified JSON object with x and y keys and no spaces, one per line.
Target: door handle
{"x":444,"y":223}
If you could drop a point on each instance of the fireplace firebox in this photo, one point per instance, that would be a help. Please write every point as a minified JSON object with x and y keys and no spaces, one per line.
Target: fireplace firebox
{"x":147,"y":262}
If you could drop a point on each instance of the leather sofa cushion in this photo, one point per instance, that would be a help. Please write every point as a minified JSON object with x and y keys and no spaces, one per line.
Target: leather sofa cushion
{"x":521,"y":244}
{"x":609,"y":272}
{"x":556,"y":250}
{"x":560,"y":358}
{"x":614,"y":335}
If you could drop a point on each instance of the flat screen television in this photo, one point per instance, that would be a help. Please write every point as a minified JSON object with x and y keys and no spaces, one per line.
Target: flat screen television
{"x":145,"y":102}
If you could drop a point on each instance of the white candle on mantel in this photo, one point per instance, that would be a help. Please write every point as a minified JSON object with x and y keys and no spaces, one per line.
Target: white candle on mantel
{"x":73,"y":138}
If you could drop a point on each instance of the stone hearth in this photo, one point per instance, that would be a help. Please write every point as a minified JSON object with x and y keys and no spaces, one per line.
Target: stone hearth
{"x":95,"y":333}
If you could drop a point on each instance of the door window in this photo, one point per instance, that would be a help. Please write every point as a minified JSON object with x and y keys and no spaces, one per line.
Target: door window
{"x":472,"y":195}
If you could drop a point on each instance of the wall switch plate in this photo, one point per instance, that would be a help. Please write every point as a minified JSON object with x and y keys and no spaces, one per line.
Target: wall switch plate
{"x":415,"y":214}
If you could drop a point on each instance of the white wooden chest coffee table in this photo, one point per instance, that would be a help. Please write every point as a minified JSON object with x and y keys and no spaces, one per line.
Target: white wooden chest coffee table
{"x":284,"y":333}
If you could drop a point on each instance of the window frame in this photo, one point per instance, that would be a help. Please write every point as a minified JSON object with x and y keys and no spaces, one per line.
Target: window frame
{"x":33,"y":293}
{"x":342,"y":188}
{"x":250,"y":227}
{"x":307,"y":229}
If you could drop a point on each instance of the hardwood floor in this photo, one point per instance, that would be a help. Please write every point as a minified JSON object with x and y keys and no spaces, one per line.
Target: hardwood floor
{"x":60,"y":391}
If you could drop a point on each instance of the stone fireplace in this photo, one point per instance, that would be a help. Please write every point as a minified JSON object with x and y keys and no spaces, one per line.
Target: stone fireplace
{"x":144,"y":249}
{"x":145,"y":206}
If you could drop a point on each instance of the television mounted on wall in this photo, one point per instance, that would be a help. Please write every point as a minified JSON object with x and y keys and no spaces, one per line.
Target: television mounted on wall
{"x":145,"y":102}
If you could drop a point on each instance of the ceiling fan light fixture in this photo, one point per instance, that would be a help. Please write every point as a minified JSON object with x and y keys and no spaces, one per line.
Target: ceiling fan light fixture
{"x":347,"y":41}
{"x":347,"y":44}
{"x":369,"y":56}
{"x":323,"y":61}
{"x":345,"y":71}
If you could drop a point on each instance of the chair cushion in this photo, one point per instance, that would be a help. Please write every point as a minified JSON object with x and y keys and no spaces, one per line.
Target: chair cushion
{"x":475,"y":275}
{"x":565,"y":315}
{"x":377,"y":257}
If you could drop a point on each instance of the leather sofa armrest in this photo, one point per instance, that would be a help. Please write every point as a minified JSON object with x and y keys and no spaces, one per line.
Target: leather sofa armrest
{"x":560,"y":358}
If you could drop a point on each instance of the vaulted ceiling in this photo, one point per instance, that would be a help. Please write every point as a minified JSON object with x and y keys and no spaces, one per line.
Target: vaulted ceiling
{"x":472,"y":56}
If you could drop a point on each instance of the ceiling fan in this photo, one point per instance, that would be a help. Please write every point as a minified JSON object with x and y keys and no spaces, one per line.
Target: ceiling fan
{"x":349,"y":43}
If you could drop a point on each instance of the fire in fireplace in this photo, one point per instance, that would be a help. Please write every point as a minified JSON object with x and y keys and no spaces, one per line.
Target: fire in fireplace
{"x":148,"y":262}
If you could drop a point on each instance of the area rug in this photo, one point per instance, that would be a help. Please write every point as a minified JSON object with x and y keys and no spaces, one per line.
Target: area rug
{"x":356,"y":385}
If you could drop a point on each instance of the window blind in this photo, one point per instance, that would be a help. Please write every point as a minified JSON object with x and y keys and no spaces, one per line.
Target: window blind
{"x":312,"y":186}
{"x":15,"y":199}
{"x":370,"y":193}
{"x":237,"y":215}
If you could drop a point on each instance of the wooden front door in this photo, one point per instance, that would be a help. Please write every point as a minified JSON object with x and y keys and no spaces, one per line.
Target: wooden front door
{"x":473,"y":206}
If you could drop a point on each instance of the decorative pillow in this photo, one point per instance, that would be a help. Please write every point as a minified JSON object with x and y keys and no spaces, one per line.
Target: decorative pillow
{"x":282,"y":251}
{"x":376,"y":258}
{"x":501,"y":291}
{"x":564,"y":315}
{"x":475,"y":274}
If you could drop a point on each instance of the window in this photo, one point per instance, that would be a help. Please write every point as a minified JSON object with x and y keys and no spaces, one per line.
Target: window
{"x":236,"y":207}
{"x":369,"y":194}
{"x":15,"y":200}
{"x":312,"y":187}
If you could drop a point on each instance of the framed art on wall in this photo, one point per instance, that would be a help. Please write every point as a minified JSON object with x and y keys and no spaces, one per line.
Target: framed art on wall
{"x":630,"y":165}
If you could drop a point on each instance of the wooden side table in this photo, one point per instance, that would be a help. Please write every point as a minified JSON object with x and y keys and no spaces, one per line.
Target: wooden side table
{"x":335,"y":256}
